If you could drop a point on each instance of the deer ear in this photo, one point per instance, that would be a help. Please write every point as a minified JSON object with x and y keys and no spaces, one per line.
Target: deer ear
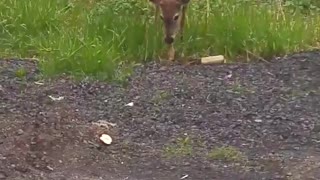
{"x":185,"y":1}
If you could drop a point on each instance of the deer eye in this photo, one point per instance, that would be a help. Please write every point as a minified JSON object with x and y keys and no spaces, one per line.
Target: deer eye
{"x":176,"y":17}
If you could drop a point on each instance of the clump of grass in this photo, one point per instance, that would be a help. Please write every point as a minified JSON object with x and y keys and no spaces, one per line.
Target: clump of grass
{"x":160,"y":96}
{"x":21,"y":73}
{"x":182,"y":147}
{"x":103,"y":38}
{"x":238,"y":88}
{"x":228,"y":154}
{"x":296,"y":93}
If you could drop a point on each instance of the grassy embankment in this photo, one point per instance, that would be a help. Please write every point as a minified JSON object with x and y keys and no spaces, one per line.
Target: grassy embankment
{"x":104,"y":38}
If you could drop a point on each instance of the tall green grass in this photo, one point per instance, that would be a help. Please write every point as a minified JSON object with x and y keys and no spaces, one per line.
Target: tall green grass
{"x":104,"y":38}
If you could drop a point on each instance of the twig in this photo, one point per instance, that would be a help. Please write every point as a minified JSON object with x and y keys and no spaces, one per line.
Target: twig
{"x":260,"y":58}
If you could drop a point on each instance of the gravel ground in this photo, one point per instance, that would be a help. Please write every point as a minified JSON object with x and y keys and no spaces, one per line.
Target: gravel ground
{"x":225,"y":122}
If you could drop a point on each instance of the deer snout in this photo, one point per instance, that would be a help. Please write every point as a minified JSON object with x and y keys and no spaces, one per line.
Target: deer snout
{"x":168,"y":39}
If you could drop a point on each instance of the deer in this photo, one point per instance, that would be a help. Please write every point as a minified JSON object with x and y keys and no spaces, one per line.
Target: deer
{"x":172,"y":14}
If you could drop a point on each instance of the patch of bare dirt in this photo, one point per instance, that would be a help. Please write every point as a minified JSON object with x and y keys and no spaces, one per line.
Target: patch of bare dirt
{"x":268,"y":112}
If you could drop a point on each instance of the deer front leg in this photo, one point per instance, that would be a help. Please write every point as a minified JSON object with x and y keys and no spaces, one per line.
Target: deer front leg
{"x":171,"y":52}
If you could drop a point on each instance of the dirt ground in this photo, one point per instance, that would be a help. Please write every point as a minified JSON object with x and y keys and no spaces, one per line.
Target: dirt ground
{"x":257,"y":121}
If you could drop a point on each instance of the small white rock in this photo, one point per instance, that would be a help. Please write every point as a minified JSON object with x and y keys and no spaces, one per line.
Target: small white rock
{"x":258,"y":120}
{"x":228,"y":76}
{"x":185,"y":176}
{"x":56,"y":98}
{"x":50,"y":168}
{"x":130,"y":104}
{"x":105,"y":138}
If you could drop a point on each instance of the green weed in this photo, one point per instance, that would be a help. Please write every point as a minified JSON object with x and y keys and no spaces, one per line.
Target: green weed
{"x":182,"y":147}
{"x":160,"y":96}
{"x":228,"y":154}
{"x":238,"y":88}
{"x":21,"y":73}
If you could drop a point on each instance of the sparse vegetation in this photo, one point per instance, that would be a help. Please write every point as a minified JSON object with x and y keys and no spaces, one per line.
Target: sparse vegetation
{"x":237,"y":88}
{"x":182,"y":147}
{"x":21,"y":73}
{"x":228,"y":154}
{"x":105,"y":38}
{"x":160,"y":96}
{"x":294,"y":94}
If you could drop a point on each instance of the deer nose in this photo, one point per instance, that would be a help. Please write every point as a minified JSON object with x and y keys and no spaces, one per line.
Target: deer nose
{"x":169,"y":40}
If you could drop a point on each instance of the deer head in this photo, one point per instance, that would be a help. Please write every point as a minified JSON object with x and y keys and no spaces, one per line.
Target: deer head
{"x":171,"y":13}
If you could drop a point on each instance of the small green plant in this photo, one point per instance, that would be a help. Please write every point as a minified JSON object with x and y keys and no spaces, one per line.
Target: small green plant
{"x":237,"y":88}
{"x":295,"y":93}
{"x":228,"y":154}
{"x":160,"y":96}
{"x":21,"y":73}
{"x":182,"y":147}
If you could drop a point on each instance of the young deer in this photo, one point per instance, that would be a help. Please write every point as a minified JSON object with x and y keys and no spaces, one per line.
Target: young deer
{"x":172,"y":13}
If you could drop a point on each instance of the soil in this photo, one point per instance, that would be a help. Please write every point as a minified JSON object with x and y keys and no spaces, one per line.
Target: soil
{"x":268,"y":113}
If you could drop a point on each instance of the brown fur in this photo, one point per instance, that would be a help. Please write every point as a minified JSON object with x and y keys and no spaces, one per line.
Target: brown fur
{"x":172,"y":13}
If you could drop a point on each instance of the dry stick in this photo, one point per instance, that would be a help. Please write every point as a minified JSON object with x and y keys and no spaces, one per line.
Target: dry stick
{"x":30,"y":59}
{"x":259,"y":57}
{"x":218,"y":59}
{"x":213,"y":59}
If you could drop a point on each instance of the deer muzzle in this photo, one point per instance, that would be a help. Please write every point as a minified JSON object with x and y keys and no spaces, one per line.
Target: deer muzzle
{"x":171,"y":29}
{"x":168,"y":39}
